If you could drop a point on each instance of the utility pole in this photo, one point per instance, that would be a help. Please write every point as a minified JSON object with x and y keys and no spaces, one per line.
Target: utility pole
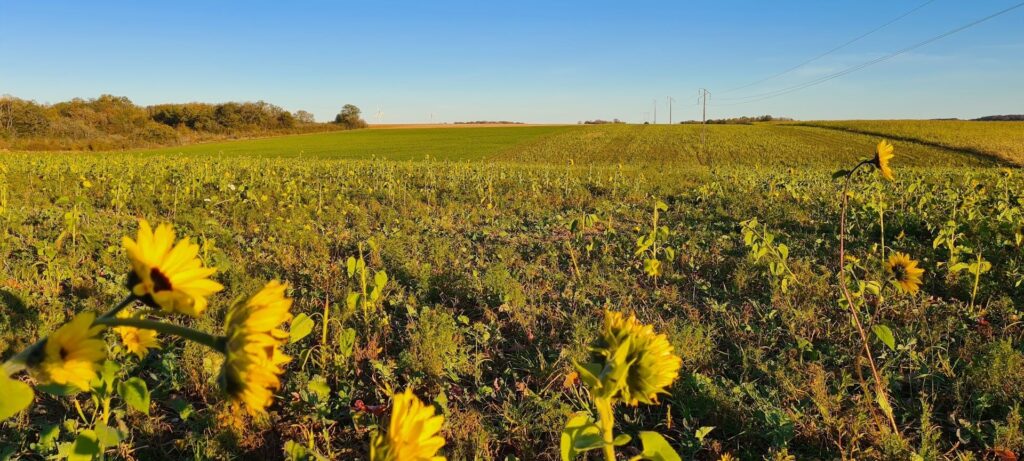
{"x":669,"y":98}
{"x":654,"y":102}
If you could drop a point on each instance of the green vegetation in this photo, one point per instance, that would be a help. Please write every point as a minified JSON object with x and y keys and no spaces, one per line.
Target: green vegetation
{"x":478,"y":275}
{"x":391,"y":144}
{"x":115,"y":122}
{"x":1002,"y":140}
{"x":613,"y":144}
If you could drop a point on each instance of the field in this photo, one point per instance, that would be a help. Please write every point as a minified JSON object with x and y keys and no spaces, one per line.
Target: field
{"x":1002,"y":140}
{"x":501,"y":247}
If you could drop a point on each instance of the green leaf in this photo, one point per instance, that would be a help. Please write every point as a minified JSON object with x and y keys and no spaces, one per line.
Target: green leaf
{"x":656,"y":448}
{"x":108,"y":375}
{"x":351,"y":266}
{"x":86,"y":447}
{"x":319,"y":387}
{"x":705,"y":430}
{"x":884,"y":334}
{"x":107,"y":436}
{"x":59,"y":390}
{"x":295,"y":452}
{"x":840,"y":173}
{"x":183,"y":408}
{"x":47,"y":439}
{"x":883,"y":403}
{"x":135,"y":393}
{"x":589,"y":375}
{"x":17,"y":396}
{"x":352,"y":301}
{"x":301,"y":327}
{"x":621,"y":440}
{"x":380,"y":279}
{"x":958,"y":267}
{"x":580,"y":426}
{"x":346,"y":342}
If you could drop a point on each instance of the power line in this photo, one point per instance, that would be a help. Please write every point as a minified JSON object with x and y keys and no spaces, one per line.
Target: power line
{"x":833,"y":50}
{"x":820,"y":80}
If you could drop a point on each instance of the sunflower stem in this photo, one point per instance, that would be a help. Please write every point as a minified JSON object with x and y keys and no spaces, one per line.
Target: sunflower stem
{"x":607,"y":418}
{"x":216,"y":343}
{"x":879,"y":388}
{"x":19,"y":361}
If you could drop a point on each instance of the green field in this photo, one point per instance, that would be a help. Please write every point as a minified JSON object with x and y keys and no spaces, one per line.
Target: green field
{"x":391,"y":144}
{"x":503,"y":246}
{"x":726,"y":145}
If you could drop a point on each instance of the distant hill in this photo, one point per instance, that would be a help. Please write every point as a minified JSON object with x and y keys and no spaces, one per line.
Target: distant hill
{"x":1001,"y":118}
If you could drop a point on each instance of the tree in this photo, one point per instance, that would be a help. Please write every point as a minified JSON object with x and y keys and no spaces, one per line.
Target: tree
{"x":302,"y":116}
{"x":349,"y":117}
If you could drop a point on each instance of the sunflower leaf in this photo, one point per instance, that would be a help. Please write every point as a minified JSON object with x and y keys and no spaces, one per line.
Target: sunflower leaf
{"x":135,"y":393}
{"x":17,"y":396}
{"x":301,"y":327}
{"x":884,"y":334}
{"x":579,"y":432}
{"x":86,"y":447}
{"x":656,"y":448}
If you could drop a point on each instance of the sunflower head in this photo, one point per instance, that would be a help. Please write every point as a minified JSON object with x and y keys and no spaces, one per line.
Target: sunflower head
{"x":166,"y":275}
{"x":72,"y":354}
{"x":883,"y":154}
{"x":137,"y":341}
{"x":412,"y":433}
{"x":253,"y":358}
{"x":630,"y":361}
{"x":904,"y":272}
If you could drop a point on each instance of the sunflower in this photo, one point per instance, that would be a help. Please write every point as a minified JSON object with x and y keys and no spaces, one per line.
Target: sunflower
{"x":72,"y":354}
{"x":638,"y":364}
{"x":412,"y":433}
{"x":905,"y":273}
{"x":168,"y":275}
{"x":137,"y":341}
{"x":253,"y":358}
{"x":883,"y":153}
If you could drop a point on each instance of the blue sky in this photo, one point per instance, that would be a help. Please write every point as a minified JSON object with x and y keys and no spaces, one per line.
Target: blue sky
{"x":528,"y":61}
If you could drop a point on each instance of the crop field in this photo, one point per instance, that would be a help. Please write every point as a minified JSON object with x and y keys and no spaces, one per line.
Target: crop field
{"x":475,"y":267}
{"x":1003,"y":140}
{"x":391,"y":144}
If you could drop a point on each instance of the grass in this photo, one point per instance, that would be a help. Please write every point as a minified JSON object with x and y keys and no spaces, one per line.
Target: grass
{"x":497,"y":278}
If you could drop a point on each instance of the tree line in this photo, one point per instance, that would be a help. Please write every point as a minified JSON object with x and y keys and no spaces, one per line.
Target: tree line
{"x":740,"y":120}
{"x":115,"y":122}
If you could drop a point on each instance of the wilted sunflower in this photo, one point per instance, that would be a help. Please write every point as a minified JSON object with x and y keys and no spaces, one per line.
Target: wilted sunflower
{"x":253,"y":358}
{"x":412,"y":433}
{"x":883,"y":153}
{"x":72,"y":354}
{"x":138,"y":341}
{"x":905,"y":273}
{"x":168,"y":275}
{"x":638,"y":364}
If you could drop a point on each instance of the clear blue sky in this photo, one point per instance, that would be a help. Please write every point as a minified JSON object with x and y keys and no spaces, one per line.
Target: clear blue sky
{"x":518,"y":60}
